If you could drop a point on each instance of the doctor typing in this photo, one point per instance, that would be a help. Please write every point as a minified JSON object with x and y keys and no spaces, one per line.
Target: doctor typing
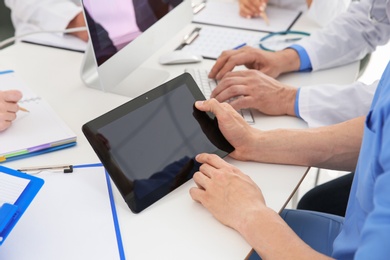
{"x":348,"y":38}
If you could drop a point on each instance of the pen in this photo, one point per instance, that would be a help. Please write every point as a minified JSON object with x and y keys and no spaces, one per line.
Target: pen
{"x":239,"y":46}
{"x":23,"y":109}
{"x":65,"y":168}
{"x":265,"y":17}
{"x":263,"y":14}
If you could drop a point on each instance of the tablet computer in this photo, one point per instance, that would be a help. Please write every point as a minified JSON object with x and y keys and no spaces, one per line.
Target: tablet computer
{"x":148,"y":144}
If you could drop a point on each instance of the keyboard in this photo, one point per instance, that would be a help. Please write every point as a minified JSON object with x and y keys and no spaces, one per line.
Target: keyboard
{"x":207,"y":85}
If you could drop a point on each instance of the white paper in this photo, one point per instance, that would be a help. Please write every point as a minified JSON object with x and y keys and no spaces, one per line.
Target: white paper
{"x":227,"y":14}
{"x":70,"y":218}
{"x":213,"y":40}
{"x":11,"y":187}
{"x":40,"y":126}
{"x":68,"y":42}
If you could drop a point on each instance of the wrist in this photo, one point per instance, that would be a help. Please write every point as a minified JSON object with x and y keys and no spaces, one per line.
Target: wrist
{"x":255,"y":225}
{"x":288,"y":59}
{"x":289,"y":100}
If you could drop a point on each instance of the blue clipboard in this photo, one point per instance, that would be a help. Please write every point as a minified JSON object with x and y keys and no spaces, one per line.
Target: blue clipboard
{"x":11,"y":213}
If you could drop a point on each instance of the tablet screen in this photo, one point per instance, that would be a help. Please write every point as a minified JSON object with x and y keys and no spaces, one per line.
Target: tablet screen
{"x":148,"y":145}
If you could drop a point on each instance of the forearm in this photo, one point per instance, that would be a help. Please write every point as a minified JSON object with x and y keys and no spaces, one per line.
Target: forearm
{"x":332,"y":147}
{"x":272,"y":238}
{"x":287,"y":60}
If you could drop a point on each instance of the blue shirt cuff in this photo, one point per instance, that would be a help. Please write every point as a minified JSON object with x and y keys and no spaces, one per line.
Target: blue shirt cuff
{"x":296,"y":105}
{"x":303,"y":57}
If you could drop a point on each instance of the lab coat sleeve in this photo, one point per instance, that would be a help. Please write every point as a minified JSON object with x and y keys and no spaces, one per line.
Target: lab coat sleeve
{"x":349,"y":37}
{"x":30,"y":15}
{"x":323,"y":12}
{"x":321,"y":105}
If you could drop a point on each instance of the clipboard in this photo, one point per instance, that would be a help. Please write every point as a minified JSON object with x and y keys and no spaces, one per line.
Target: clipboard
{"x":10,"y":213}
{"x":74,"y":216}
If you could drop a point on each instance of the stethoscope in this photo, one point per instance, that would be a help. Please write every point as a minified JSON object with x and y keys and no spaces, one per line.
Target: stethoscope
{"x":266,"y":39}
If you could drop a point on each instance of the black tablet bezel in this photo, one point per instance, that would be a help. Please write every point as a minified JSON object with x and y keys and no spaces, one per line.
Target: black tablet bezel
{"x":91,"y":129}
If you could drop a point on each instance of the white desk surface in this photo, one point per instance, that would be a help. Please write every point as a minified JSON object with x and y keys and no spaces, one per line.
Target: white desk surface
{"x":175,"y":227}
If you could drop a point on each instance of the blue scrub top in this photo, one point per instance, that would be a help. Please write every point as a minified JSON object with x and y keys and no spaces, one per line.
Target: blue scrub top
{"x":366,"y":231}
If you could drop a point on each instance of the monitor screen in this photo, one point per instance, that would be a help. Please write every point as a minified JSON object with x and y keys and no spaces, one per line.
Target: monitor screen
{"x":114,"y":24}
{"x":124,"y":34}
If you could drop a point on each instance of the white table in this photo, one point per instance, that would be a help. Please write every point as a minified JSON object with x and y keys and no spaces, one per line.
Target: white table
{"x":183,"y":228}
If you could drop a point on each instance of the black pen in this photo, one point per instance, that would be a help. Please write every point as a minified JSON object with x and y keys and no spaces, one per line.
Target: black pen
{"x":65,"y":168}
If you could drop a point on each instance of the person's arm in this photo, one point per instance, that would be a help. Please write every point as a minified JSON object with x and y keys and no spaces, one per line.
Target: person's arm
{"x":332,"y":46}
{"x":42,"y":14}
{"x":8,"y":107}
{"x":254,"y":89}
{"x":270,"y":63}
{"x":332,"y":147}
{"x":318,"y":105}
{"x":235,"y":200}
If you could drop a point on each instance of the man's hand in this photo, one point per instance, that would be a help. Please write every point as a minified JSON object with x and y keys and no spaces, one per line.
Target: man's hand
{"x":233,"y":127}
{"x":271,"y":63}
{"x":254,"y":89}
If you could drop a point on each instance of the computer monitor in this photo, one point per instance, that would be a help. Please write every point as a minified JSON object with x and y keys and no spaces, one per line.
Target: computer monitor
{"x":125,"y":33}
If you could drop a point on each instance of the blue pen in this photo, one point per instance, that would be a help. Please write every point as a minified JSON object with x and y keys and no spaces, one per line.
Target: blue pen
{"x":239,"y":46}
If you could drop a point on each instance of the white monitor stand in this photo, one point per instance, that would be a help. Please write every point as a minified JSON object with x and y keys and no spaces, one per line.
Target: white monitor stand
{"x":148,"y":78}
{"x":122,"y":73}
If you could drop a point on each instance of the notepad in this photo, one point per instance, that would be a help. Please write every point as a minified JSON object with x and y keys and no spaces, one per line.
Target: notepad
{"x":38,"y":131}
{"x":226,"y":14}
{"x":17,"y":190}
{"x":213,"y":40}
{"x":228,"y":29}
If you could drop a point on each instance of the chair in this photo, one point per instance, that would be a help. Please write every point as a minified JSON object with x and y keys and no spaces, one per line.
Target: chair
{"x":317,"y":229}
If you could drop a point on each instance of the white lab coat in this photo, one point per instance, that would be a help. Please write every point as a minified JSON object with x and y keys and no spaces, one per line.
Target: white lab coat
{"x":320,"y":11}
{"x":37,"y":15}
{"x":323,"y":12}
{"x":331,"y":104}
{"x":348,"y":38}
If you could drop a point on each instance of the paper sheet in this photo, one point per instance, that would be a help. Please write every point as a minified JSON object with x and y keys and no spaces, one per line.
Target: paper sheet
{"x":213,"y":40}
{"x":70,"y":218}
{"x":227,"y":14}
{"x":11,"y":187}
{"x":67,"y":42}
{"x":35,"y":129}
